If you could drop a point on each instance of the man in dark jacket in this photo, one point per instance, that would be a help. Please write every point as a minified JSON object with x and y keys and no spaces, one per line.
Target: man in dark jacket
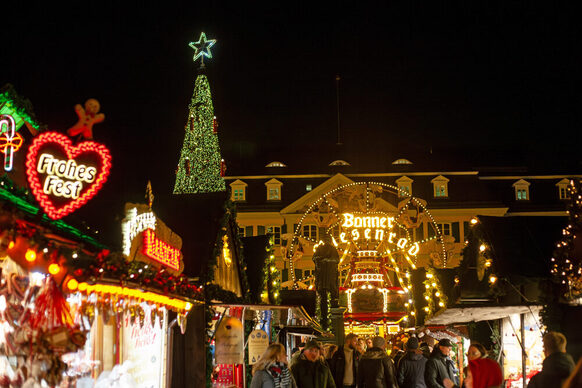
{"x":557,"y":365}
{"x":376,"y":368}
{"x":345,"y":363}
{"x":310,"y":371}
{"x":440,"y":366}
{"x":411,"y":367}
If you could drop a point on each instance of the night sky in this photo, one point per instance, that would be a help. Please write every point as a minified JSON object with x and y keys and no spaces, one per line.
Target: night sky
{"x":466,"y":77}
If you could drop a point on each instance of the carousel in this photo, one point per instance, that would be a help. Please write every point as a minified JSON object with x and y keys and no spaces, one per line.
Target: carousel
{"x":372,"y":237}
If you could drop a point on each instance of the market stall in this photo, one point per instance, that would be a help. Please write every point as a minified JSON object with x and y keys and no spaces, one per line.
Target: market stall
{"x":72,"y":312}
{"x":241,"y":333}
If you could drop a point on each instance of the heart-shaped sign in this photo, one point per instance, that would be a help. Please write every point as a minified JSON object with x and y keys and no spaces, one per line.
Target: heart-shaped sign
{"x":63,"y":176}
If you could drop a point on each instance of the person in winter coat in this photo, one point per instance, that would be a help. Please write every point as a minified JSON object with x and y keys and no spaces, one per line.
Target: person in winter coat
{"x":344,"y":363}
{"x":271,"y":370}
{"x":376,"y":368}
{"x":482,"y":373}
{"x":411,"y":367}
{"x":440,"y":366}
{"x":575,"y":379}
{"x":310,"y":371}
{"x":557,"y":365}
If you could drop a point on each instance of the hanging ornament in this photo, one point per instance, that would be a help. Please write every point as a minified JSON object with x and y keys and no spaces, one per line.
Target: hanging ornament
{"x":182,"y":322}
{"x":222,"y":168}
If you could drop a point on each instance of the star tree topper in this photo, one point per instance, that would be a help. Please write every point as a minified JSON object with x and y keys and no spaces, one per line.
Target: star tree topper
{"x":202,"y":47}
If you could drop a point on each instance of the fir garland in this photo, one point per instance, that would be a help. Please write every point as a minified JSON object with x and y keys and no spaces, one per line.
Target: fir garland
{"x":22,"y":106}
{"x":567,"y":261}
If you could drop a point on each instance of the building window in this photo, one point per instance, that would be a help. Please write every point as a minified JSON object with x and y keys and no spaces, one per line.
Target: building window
{"x":241,"y":232}
{"x":521,"y":190}
{"x":273,"y":190}
{"x":563,"y":188}
{"x":440,"y":186}
{"x":275,"y":231}
{"x":445,"y":228}
{"x":310,"y":232}
{"x":274,"y":194}
{"x":308,"y":187}
{"x":239,"y":194}
{"x":405,"y":186}
{"x":238,"y":190}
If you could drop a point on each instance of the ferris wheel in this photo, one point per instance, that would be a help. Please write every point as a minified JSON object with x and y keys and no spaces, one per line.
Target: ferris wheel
{"x":381,"y":234}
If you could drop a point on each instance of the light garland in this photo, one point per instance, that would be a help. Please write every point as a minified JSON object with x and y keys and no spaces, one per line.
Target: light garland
{"x":177,"y":305}
{"x":389,"y":188}
{"x":566,"y":267}
{"x":434,"y":293}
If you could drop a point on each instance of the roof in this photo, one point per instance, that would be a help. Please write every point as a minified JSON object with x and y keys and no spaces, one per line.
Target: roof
{"x":479,"y":313}
{"x":33,"y":213}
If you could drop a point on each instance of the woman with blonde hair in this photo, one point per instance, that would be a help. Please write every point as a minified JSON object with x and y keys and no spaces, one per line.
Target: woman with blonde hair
{"x":271,"y":370}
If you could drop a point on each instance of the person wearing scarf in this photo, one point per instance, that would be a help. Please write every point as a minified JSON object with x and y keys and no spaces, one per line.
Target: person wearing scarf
{"x":271,"y":370}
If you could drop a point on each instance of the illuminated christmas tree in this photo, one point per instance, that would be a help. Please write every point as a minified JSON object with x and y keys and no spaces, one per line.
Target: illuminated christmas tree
{"x":201,"y":167}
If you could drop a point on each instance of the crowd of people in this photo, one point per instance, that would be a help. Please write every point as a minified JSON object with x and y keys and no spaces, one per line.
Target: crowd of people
{"x":365,"y":363}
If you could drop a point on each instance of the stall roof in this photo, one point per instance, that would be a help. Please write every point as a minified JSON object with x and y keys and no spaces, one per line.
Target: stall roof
{"x":297,"y":311}
{"x":35,"y":214}
{"x":479,"y":313}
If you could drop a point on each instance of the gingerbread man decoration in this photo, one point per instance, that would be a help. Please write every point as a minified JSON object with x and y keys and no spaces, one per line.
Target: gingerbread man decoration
{"x":87,"y":117}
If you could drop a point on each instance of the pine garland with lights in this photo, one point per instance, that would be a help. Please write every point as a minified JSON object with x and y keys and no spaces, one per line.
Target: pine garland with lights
{"x":567,"y":258}
{"x":433,"y":294}
{"x":200,"y":168}
{"x":114,"y":267}
{"x":272,"y":285}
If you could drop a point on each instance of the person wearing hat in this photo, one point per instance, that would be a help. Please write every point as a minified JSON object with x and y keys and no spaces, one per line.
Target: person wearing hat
{"x":411,"y":367}
{"x":376,"y":367}
{"x":310,"y":371}
{"x":440,"y":366}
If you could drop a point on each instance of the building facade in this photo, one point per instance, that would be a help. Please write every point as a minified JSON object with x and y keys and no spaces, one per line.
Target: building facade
{"x":276,"y":200}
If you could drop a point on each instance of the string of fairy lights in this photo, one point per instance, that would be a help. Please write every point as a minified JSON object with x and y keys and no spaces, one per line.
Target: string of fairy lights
{"x":386,"y":259}
{"x":566,"y":266}
{"x":393,"y":190}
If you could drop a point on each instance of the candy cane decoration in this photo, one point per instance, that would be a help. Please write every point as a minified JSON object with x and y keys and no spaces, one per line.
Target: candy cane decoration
{"x":10,"y":141}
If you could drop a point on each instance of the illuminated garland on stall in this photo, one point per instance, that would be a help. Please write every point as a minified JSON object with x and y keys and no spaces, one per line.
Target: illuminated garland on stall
{"x":477,"y":248}
{"x":565,"y":262}
{"x":271,"y":283}
{"x":433,"y":293}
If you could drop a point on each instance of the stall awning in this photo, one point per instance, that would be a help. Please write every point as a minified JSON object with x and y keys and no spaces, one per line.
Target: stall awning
{"x":290,"y":313}
{"x":479,"y":313}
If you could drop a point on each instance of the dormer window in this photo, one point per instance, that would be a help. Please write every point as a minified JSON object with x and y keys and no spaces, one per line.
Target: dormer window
{"x":276,"y":164}
{"x":440,"y":186}
{"x":404,"y":185}
{"x":521,"y":190}
{"x":238,"y":191}
{"x":273,"y":190}
{"x":563,"y":188}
